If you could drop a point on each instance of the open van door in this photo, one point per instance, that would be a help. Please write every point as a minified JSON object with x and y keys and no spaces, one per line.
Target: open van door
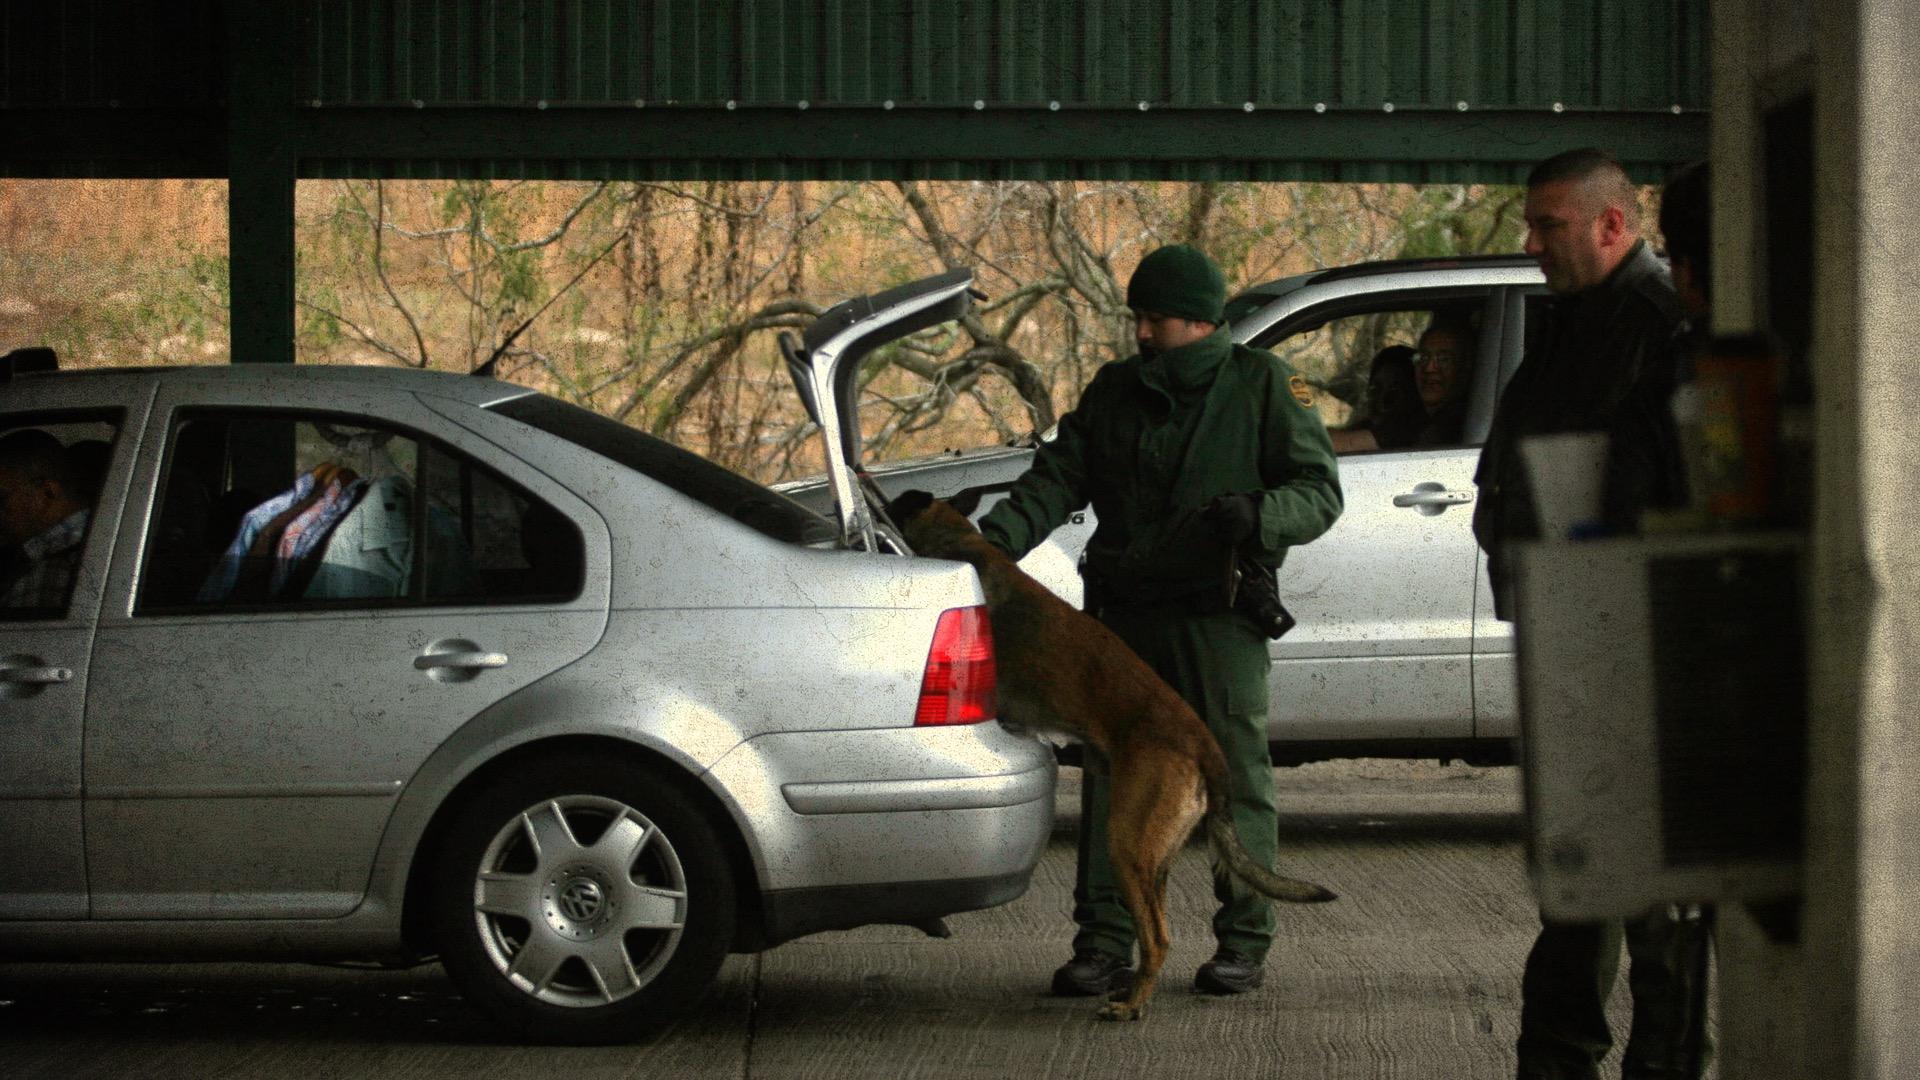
{"x":825,"y":364}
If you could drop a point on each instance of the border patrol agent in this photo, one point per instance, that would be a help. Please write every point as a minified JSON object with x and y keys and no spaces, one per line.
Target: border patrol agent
{"x":1191,"y":453}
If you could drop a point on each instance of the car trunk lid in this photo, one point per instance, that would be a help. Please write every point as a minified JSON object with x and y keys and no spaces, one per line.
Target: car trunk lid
{"x":825,"y":364}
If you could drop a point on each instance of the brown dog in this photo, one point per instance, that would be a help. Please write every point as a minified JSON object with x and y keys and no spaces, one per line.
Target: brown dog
{"x":1061,"y":670}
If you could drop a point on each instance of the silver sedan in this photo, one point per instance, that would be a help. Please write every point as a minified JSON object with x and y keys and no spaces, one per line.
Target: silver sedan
{"x":347,"y":663}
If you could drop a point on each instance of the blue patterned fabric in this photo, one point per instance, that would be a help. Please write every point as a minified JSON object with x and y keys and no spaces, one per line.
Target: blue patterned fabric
{"x":307,"y":534}
{"x":221,"y":580}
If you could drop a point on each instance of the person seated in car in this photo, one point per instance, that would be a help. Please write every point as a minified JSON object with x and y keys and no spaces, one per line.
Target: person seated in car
{"x":1394,"y":415}
{"x":43,"y":517}
{"x":89,"y":458}
{"x":1440,"y":370}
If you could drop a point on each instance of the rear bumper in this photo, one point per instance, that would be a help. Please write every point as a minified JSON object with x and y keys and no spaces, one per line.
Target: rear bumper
{"x":792,"y":913}
{"x":890,"y":813}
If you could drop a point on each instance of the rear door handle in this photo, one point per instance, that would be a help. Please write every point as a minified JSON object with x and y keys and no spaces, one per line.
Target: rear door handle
{"x":469,"y":661}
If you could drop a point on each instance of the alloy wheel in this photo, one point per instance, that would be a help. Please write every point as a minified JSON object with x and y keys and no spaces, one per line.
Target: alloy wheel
{"x":580,"y":901}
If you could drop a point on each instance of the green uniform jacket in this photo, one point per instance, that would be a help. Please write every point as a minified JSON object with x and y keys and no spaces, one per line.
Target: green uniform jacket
{"x":1152,"y":440}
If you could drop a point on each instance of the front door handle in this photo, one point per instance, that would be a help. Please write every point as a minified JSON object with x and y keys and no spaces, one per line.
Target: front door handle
{"x":23,"y":676}
{"x":1431,"y":498}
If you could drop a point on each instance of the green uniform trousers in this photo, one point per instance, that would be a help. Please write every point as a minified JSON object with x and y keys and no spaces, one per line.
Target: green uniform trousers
{"x":1219,"y":664}
{"x":1570,"y":974}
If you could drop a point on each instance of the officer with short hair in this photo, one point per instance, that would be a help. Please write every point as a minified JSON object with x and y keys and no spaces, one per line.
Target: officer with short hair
{"x":1192,"y":453}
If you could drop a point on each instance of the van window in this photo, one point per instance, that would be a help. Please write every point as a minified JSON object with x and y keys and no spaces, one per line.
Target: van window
{"x":1392,"y":379}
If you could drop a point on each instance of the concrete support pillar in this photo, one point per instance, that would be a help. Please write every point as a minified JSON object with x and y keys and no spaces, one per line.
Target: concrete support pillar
{"x":1883,"y":208}
{"x":1844,"y":1001}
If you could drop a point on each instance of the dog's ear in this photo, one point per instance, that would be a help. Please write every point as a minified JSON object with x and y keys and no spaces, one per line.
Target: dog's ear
{"x":908,"y":505}
{"x":966,"y":501}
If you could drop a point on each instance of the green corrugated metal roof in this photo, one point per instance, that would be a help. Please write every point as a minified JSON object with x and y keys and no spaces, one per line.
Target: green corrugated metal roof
{"x":1604,"y":54}
{"x":1232,"y":89}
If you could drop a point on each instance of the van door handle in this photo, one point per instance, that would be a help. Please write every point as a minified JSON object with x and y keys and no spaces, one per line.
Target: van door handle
{"x":1431,"y":498}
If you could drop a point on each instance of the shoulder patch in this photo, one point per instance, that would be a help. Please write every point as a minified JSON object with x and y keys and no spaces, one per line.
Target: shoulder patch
{"x":1302,"y":393}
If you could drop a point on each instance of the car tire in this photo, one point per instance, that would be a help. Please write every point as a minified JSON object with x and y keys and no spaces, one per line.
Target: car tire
{"x":582,"y":901}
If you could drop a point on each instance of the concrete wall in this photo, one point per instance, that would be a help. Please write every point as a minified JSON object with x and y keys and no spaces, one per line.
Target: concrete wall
{"x":1886,"y":207}
{"x":1844,"y":1001}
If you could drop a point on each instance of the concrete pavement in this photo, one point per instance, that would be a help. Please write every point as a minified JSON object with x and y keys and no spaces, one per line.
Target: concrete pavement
{"x":1413,"y":973}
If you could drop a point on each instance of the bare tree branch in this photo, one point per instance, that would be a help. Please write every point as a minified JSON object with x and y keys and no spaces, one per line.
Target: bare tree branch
{"x":487,"y":364}
{"x":366,"y":336}
{"x":1026,"y":379}
{"x":380,"y":271}
{"x":1498,"y":222}
{"x":781,"y":313}
{"x":1200,"y":203}
{"x":718,"y":208}
{"x":559,"y":231}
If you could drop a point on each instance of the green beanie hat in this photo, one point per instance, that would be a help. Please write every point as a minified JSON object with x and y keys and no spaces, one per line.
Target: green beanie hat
{"x":1180,"y":281}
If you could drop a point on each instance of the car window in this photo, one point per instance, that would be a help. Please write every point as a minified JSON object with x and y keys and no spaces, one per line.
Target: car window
{"x":1391,"y":379}
{"x":746,"y":502}
{"x":51,"y":468}
{"x":311,"y":510}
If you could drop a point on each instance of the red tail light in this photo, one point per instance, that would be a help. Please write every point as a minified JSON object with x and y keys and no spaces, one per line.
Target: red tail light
{"x":958,"y":687}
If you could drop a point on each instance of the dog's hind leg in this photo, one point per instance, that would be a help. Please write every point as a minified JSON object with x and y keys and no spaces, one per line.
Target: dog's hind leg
{"x":1134,"y":876}
{"x":1153,"y":808}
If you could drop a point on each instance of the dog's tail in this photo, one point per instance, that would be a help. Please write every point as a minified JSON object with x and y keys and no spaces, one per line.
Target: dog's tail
{"x":1234,"y":856}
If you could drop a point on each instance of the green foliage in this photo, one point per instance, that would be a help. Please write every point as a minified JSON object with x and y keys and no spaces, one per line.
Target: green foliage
{"x":521,"y":283}
{"x":209,"y":273}
{"x":455,"y":204}
{"x":319,"y":327}
{"x":1445,"y":221}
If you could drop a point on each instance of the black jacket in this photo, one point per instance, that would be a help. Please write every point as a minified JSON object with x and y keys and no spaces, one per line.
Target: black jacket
{"x":1605,"y":363}
{"x":1443,"y":427}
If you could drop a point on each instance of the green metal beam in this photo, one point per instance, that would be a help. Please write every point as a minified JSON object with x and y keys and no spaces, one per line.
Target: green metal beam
{"x":262,"y":168}
{"x":598,"y":140}
{"x":590,"y":134}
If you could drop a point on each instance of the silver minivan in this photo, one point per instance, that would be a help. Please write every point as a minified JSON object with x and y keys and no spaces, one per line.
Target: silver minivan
{"x":1396,"y":652}
{"x":370,"y":663}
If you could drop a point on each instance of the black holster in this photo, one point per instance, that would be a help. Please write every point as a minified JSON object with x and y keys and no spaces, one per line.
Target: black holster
{"x":1254,"y":591}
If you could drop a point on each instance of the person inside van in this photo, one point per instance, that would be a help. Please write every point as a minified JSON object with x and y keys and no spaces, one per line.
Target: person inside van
{"x":1394,"y":415}
{"x":1441,"y":370}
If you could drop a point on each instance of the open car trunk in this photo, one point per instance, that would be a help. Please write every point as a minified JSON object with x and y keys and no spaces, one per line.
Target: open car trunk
{"x":825,"y":363}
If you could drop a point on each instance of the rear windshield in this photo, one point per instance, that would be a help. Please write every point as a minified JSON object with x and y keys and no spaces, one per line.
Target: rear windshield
{"x":688,"y":473}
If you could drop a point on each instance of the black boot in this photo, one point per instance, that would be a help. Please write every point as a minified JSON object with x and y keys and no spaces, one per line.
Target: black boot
{"x":1230,"y":972}
{"x":1092,"y":972}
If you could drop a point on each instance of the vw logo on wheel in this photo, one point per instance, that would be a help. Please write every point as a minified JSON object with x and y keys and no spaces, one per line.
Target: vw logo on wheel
{"x":581,"y":899}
